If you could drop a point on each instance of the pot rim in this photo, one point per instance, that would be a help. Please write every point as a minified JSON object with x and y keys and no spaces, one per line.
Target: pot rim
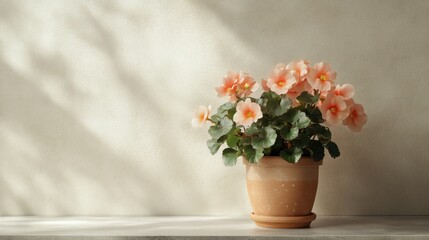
{"x":277,"y":161}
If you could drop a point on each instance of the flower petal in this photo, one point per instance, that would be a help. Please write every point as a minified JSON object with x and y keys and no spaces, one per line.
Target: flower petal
{"x":347,"y":91}
{"x":340,"y":102}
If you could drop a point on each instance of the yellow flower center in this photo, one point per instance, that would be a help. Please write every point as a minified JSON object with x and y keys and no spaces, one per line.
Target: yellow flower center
{"x":281,"y":83}
{"x":229,"y":89}
{"x":246,"y":86}
{"x":202,"y":116}
{"x":323,"y":77}
{"x":249,"y":114}
{"x":333,"y":109}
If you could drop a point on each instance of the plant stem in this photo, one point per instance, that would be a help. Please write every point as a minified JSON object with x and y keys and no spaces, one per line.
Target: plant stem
{"x":210,"y":120}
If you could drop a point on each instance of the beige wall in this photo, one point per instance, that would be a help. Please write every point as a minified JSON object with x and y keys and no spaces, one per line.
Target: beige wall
{"x":96,"y":99}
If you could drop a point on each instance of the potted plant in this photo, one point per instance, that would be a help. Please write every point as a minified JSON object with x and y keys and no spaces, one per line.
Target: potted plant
{"x":281,"y":135}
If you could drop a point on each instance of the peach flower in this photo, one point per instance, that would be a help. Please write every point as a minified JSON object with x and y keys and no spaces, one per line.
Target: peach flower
{"x":229,"y":85}
{"x":301,"y":69}
{"x":264,"y":85}
{"x":298,"y":88}
{"x":281,"y":79}
{"x":334,"y":109}
{"x":346,"y":90}
{"x":322,"y":77}
{"x":201,"y":116}
{"x":247,"y":85}
{"x":357,"y":117}
{"x":247,"y":113}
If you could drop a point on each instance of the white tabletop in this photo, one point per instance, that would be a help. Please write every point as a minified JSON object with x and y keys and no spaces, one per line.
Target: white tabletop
{"x":324,"y":227}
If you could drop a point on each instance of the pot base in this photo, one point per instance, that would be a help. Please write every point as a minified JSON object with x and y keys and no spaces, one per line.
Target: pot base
{"x":283,"y":222}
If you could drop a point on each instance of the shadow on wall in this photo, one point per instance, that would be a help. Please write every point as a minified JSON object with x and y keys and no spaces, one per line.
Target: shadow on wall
{"x":272,"y":37}
{"x":68,"y":158}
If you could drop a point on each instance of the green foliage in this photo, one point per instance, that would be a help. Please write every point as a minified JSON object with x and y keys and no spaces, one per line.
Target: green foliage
{"x":232,"y":140}
{"x":316,"y":150}
{"x":282,"y":107}
{"x":253,"y":155}
{"x":323,"y":133}
{"x":213,"y":145}
{"x":333,"y":149}
{"x":302,"y":141}
{"x":314,"y":114}
{"x":224,"y":110}
{"x":253,"y":129}
{"x":291,"y":155}
{"x":289,"y":133}
{"x":229,"y":156}
{"x":297,"y":118}
{"x":274,"y":104}
{"x":285,"y":131}
{"x":307,"y":98}
{"x":292,"y":115}
{"x":302,"y":121}
{"x":217,"y":117}
{"x":221,"y":128}
{"x":265,"y":139}
{"x":225,"y":107}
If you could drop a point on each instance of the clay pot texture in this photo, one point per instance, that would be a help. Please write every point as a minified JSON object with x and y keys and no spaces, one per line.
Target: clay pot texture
{"x":282,"y":194}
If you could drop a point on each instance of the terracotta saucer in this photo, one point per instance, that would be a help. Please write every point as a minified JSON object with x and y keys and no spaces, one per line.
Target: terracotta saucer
{"x":283,"y":222}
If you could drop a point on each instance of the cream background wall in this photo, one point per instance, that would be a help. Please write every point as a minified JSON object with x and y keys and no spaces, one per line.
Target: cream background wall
{"x":96,"y":99}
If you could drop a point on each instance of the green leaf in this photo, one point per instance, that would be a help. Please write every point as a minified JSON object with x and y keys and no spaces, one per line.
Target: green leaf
{"x":324,"y":141}
{"x":289,"y":133}
{"x":223,"y":111}
{"x":282,"y":106}
{"x":315,"y":115}
{"x":277,"y":147}
{"x":222,"y":139}
{"x":321,"y":131}
{"x":266,"y":139}
{"x":316,"y":149}
{"x":274,"y":104}
{"x":268,"y":95}
{"x":221,"y":129}
{"x":267,"y":151}
{"x":225,"y":107}
{"x":253,"y":155}
{"x":232,"y":140}
{"x":302,"y":121}
{"x":213,"y":145}
{"x":229,"y":156}
{"x":245,"y":142}
{"x":306,"y":97}
{"x":292,"y":115}
{"x":333,"y":149}
{"x":217,"y":117}
{"x":231,"y":112}
{"x":252,"y":129}
{"x":302,"y":140}
{"x":262,"y":102}
{"x":271,"y":105}
{"x":297,"y":118}
{"x":291,"y":155}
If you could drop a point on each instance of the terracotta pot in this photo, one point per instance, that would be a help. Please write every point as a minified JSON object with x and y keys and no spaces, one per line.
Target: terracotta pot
{"x":282,"y":194}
